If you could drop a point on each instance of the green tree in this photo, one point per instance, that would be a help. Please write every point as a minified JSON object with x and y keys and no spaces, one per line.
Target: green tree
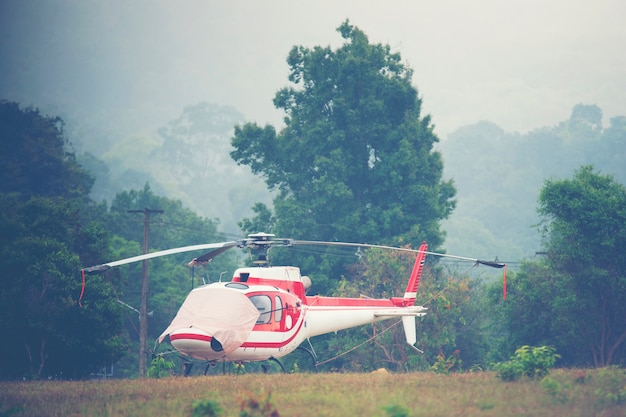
{"x":46,"y":228}
{"x":355,"y":161}
{"x":452,"y":327}
{"x":539,"y":308}
{"x":575,"y":299}
{"x":170,"y":280}
{"x":35,"y":156}
{"x":41,"y":284}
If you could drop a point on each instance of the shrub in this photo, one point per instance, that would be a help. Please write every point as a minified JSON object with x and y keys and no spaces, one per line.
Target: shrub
{"x":395,"y":410}
{"x":555,"y":389}
{"x":611,"y":383}
{"x":206,"y":408}
{"x":445,"y":365}
{"x":251,"y":407}
{"x":159,"y":367}
{"x":11,"y":411}
{"x":527,"y":361}
{"x":509,"y":371}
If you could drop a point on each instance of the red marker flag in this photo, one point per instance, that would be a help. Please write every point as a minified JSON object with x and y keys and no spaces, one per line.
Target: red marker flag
{"x":504,"y":286}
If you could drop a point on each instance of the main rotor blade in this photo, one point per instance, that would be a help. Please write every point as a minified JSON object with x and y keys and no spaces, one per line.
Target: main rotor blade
{"x":103,"y":267}
{"x":208,"y":257}
{"x":365,"y":245}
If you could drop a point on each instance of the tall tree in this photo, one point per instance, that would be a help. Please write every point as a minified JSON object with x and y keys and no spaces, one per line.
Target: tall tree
{"x":170,"y":279}
{"x":35,"y":157}
{"x":575,"y":299}
{"x":46,"y":226}
{"x":355,"y":161}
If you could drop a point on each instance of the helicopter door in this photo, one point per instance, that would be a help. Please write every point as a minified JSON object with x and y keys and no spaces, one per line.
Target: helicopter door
{"x":283,"y":314}
{"x":263,"y":303}
{"x":290,"y":311}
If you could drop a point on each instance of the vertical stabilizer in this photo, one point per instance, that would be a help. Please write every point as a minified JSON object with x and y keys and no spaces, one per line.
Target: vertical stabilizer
{"x":416,"y":274}
{"x":408,"y":322}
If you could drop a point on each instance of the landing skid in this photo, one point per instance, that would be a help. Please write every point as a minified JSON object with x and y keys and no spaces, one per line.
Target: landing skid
{"x":311,"y":354}
{"x":271,"y":366}
{"x":268,"y":369}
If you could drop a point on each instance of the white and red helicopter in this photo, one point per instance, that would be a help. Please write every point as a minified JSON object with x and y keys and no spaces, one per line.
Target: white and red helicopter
{"x":264,"y":313}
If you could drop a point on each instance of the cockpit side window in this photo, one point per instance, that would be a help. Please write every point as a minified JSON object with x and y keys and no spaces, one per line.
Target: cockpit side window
{"x":263,"y":303}
{"x":278,"y":310}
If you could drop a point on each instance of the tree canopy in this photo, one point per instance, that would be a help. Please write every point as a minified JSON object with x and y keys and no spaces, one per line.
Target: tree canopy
{"x":170,"y":278}
{"x":35,"y":157}
{"x":355,"y":161}
{"x":46,"y":227}
{"x":575,"y":299}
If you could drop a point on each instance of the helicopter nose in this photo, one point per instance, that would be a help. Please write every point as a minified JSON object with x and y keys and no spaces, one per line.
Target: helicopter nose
{"x":197,"y":343}
{"x":212,"y":322}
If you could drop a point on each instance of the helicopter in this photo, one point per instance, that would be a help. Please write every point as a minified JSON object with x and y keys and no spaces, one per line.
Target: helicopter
{"x":264,"y":313}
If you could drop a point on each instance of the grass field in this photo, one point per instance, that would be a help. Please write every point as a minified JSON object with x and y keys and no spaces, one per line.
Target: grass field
{"x":564,"y":393}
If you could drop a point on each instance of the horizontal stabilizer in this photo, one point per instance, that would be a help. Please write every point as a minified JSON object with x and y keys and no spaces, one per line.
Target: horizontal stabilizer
{"x":399,"y":314}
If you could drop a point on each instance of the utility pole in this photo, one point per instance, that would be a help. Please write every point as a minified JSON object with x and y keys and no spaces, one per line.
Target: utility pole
{"x":143,"y":310}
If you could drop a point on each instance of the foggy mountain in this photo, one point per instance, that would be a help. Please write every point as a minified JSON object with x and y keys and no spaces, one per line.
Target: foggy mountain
{"x":188,"y":160}
{"x":499,"y":175}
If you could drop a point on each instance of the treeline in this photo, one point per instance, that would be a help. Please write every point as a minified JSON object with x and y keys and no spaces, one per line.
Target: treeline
{"x":50,"y":230}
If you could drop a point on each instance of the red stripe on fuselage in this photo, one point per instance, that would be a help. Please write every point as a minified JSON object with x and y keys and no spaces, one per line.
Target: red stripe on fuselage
{"x":273,"y":344}
{"x":206,"y":338}
{"x":192,"y":336}
{"x":318,"y":301}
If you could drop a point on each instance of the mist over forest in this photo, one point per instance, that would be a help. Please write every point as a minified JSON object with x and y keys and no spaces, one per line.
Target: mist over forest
{"x":186,"y":159}
{"x":498,"y":174}
{"x":150,"y":94}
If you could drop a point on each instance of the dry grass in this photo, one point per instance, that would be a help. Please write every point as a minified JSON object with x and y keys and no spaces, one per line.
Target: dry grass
{"x":572,"y":393}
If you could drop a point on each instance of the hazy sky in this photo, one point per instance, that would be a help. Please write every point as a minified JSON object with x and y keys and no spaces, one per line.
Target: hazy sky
{"x":520,"y":64}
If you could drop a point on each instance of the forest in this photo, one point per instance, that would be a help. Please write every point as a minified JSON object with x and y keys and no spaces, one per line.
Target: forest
{"x":356,"y":161}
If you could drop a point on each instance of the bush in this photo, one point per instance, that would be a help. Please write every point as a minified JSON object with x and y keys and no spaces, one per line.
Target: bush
{"x":611,"y":384}
{"x":509,"y":371}
{"x":206,"y":408}
{"x":159,"y":367}
{"x":395,"y":410}
{"x":527,"y":361}
{"x":445,"y":365}
{"x":11,"y":411}
{"x":556,"y":389}
{"x":251,"y":407}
